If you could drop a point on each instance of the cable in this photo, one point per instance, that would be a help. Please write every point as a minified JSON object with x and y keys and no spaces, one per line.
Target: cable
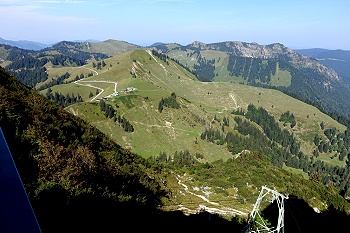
{"x":294,"y":217}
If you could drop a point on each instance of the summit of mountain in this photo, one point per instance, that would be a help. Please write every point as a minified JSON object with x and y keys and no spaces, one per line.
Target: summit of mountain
{"x":108,"y":47}
{"x":157,"y":44}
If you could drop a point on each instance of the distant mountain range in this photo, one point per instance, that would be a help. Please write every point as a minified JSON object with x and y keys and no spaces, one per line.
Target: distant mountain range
{"x":32,"y":45}
{"x":338,"y":60}
{"x":25,"y":44}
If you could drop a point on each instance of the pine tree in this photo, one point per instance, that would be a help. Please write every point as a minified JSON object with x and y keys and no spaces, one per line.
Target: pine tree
{"x":102,"y":105}
{"x":160,"y":105}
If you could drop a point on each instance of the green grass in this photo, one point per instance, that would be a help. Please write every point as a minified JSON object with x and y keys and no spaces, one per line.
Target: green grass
{"x":126,"y":100}
{"x":327,"y":159}
{"x":141,"y":56}
{"x":177,"y":129}
{"x":109,"y":47}
{"x":296,"y":171}
{"x":281,"y":78}
{"x":182,"y":57}
{"x":219,"y":56}
{"x":172,"y":46}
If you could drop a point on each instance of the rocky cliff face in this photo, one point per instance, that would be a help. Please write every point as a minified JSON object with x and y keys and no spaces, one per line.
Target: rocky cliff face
{"x":275,"y":50}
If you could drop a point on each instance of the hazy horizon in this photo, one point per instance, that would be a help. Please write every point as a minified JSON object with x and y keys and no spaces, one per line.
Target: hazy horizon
{"x":295,"y":24}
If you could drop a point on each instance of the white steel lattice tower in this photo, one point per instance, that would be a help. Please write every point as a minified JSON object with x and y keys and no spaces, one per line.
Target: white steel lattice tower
{"x":256,"y":223}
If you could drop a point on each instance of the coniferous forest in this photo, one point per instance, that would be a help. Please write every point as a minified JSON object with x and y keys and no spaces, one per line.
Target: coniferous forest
{"x":281,"y":147}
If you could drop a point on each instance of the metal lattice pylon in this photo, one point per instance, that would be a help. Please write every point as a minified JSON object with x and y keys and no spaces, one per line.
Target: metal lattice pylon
{"x":256,"y":221}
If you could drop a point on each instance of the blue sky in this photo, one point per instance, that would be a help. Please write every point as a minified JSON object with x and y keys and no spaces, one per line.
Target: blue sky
{"x":296,"y":24}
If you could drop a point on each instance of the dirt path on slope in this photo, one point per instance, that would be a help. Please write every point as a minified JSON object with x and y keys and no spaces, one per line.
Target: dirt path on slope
{"x":234,"y":100}
{"x":80,"y":82}
{"x":223,"y":210}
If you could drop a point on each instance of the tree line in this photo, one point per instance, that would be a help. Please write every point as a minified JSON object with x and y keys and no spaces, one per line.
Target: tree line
{"x":30,"y":77}
{"x":204,"y":71}
{"x":179,"y":159}
{"x":15,"y":53}
{"x":62,"y":80}
{"x":110,"y":112}
{"x":99,"y":65}
{"x":63,"y":100}
{"x":67,"y":48}
{"x":251,"y":69}
{"x":281,"y":147}
{"x":288,"y":117}
{"x":272,"y":129}
{"x":160,"y":55}
{"x":334,"y":142}
{"x":165,"y":58}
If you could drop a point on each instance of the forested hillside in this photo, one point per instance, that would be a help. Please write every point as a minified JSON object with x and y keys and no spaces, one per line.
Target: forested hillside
{"x":269,"y":66}
{"x":281,"y":147}
{"x":338,"y":60}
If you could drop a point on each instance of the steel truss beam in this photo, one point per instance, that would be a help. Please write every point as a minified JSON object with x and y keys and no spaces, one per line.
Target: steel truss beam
{"x":256,"y":222}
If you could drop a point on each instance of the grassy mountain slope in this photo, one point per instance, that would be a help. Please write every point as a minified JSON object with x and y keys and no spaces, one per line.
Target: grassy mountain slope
{"x":203,"y":105}
{"x":258,"y":65}
{"x":266,"y":66}
{"x":200,"y":102}
{"x":31,"y":67}
{"x":140,"y":107}
{"x":108,"y":47}
{"x":44,"y":68}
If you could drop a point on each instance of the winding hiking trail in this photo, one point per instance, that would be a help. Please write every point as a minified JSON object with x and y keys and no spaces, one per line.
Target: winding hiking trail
{"x":80,"y":82}
{"x":223,"y":210}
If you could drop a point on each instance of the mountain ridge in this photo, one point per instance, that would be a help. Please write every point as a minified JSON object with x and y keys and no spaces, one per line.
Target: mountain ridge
{"x":300,"y":75}
{"x":338,"y":60}
{"x":243,"y":62}
{"x":254,"y":50}
{"x":25,"y":44}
